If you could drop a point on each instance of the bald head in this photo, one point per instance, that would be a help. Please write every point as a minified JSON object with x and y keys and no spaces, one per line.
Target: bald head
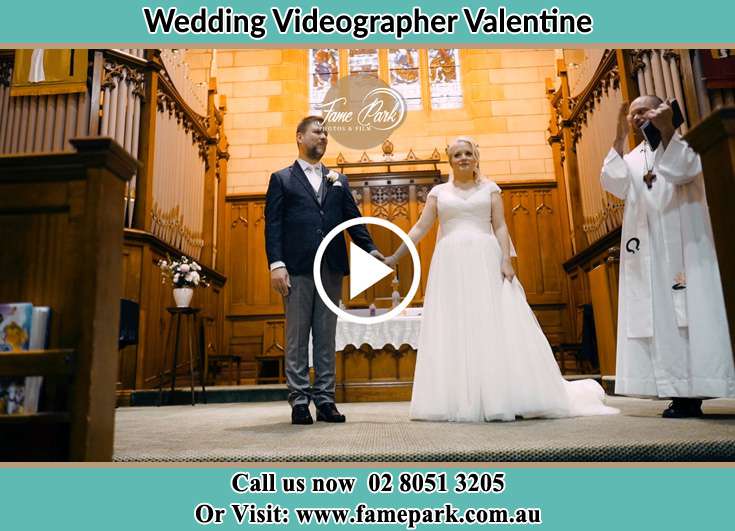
{"x":639,"y":107}
{"x":650,"y":100}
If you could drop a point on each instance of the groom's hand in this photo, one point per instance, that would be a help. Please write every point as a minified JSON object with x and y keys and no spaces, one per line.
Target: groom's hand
{"x":377,"y":254}
{"x":280,"y":280}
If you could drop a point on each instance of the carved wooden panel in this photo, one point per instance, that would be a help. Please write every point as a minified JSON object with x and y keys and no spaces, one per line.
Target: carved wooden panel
{"x":604,"y":321}
{"x":548,"y":233}
{"x":247,"y":341}
{"x":131,"y":284}
{"x":533,"y":220}
{"x":390,"y":202}
{"x":248,"y":270}
{"x":238,"y":251}
{"x":140,"y":365}
{"x":154,"y":300}
{"x":365,"y":374}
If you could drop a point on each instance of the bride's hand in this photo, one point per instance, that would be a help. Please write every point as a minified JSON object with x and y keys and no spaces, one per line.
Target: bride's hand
{"x":507,"y":269}
{"x":390,"y":261}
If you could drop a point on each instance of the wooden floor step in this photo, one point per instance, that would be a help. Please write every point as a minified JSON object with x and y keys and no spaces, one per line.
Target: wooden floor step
{"x":220,"y":394}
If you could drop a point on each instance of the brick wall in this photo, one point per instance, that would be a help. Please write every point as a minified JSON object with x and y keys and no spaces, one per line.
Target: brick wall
{"x":505,"y":109}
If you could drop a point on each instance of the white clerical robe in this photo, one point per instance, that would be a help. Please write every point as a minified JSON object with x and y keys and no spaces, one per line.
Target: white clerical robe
{"x":673,"y":336}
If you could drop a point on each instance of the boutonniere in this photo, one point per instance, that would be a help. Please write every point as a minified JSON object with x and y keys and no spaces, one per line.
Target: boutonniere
{"x":333,"y":178}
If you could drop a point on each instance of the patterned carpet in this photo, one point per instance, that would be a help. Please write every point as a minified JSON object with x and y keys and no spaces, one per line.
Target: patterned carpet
{"x":381,"y":432}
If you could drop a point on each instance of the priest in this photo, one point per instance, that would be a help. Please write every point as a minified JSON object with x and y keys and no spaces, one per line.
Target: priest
{"x":673,"y":339}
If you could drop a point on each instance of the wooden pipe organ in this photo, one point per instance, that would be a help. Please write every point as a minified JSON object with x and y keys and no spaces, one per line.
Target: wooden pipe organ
{"x":120,"y":103}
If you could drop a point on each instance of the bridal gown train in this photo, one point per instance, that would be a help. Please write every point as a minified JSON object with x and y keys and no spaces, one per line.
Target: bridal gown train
{"x":482,"y":355}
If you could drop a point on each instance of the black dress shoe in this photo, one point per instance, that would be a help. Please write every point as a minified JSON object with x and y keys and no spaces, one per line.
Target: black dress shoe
{"x":683,"y":408}
{"x":300,"y":414}
{"x":329,"y":413}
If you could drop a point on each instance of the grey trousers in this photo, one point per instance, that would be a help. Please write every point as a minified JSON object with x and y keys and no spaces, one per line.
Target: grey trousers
{"x":306,"y":312}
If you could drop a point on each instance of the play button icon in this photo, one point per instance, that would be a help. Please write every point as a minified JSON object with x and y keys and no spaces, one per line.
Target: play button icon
{"x":366,"y":270}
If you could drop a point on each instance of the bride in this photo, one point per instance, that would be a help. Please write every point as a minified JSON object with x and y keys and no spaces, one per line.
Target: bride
{"x":482,"y":355}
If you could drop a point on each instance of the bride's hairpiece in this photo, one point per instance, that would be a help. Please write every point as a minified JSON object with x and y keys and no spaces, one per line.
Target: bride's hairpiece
{"x":475,"y":151}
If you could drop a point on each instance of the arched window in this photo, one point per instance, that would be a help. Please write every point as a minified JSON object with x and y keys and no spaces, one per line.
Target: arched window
{"x":404,"y":75}
{"x":446,"y":89}
{"x":323,"y":73}
{"x":427,"y":79}
{"x":364,"y":61}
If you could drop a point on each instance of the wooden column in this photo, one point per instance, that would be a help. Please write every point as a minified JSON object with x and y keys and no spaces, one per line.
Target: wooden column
{"x":628,"y":88}
{"x":714,"y":140}
{"x":142,"y":218}
{"x":579,"y":241}
{"x":557,"y":152}
{"x":210,"y":178}
{"x":223,"y":156}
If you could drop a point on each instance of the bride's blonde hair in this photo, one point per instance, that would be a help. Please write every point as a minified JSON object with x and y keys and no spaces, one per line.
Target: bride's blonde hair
{"x":451,"y":148}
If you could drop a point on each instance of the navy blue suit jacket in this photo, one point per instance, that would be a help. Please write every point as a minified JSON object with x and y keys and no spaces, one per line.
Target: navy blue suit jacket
{"x":295,"y":222}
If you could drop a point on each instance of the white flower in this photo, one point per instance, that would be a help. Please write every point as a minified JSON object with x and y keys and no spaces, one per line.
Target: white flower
{"x":333,"y":177}
{"x":176,"y":277}
{"x":185,"y":268}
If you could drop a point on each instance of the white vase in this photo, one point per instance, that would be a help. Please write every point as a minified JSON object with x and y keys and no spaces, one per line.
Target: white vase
{"x":183,"y":296}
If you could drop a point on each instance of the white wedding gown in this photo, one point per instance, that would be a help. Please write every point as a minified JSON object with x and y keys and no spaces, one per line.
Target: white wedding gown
{"x":482,"y":355}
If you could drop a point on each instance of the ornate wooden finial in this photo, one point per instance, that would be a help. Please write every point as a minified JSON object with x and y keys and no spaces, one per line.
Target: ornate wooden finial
{"x":341,"y":158}
{"x":411,"y":155}
{"x":364,"y":157}
{"x":387,"y":149}
{"x":435,"y":155}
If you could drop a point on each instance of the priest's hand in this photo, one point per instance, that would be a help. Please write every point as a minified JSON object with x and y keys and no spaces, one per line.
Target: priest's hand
{"x":280,"y":281}
{"x":623,"y":128}
{"x":662,"y":117}
{"x":507,"y":269}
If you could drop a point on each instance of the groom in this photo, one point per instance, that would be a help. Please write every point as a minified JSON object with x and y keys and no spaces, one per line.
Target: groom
{"x":303,"y":203}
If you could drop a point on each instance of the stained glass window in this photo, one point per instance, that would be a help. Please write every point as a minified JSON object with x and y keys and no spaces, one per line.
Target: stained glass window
{"x":444,"y":82}
{"x":404,"y":75}
{"x":324,"y":72}
{"x":363,"y":61}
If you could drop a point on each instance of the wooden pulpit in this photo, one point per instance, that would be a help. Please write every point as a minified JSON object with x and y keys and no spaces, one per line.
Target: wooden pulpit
{"x":714,"y":140}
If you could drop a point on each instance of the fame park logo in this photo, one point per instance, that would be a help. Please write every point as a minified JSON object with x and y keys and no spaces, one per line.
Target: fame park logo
{"x":360,"y":111}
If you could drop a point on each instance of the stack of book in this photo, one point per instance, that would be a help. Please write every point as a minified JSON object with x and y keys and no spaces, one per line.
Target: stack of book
{"x":22,"y":327}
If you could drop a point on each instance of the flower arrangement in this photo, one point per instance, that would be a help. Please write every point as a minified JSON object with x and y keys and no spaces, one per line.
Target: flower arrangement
{"x":183,"y":273}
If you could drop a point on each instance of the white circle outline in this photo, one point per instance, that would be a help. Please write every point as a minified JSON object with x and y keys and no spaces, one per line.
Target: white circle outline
{"x":367,"y":220}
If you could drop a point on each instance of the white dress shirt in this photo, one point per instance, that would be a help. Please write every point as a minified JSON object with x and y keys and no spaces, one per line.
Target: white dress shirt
{"x":313,"y":173}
